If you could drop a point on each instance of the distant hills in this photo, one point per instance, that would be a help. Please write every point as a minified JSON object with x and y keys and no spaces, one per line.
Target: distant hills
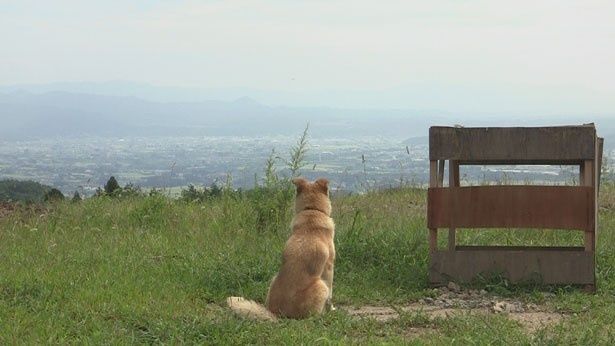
{"x":28,"y":115}
{"x":22,"y":191}
{"x":30,"y":112}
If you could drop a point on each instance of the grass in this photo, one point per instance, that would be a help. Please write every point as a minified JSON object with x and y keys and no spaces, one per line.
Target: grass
{"x":155,"y":270}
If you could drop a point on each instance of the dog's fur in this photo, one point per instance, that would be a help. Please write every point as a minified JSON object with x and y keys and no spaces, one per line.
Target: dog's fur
{"x":304,"y":284}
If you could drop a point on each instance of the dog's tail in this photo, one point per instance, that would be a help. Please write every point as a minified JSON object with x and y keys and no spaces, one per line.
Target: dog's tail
{"x":250,"y":309}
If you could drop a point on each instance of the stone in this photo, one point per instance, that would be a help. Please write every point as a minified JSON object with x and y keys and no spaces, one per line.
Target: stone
{"x":502,"y":307}
{"x":453,"y":287}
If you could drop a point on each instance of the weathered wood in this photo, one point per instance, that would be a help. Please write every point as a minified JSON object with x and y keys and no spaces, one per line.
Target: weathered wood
{"x":588,"y":180}
{"x":441,"y":173}
{"x":554,"y":207}
{"x":433,"y":240}
{"x":453,"y":181}
{"x":433,"y":173}
{"x":433,"y":182}
{"x":543,"y":265}
{"x":513,"y":145}
{"x":600,"y":145}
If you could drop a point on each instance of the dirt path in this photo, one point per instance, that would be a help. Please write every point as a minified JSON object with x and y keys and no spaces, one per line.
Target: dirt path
{"x":452,"y":301}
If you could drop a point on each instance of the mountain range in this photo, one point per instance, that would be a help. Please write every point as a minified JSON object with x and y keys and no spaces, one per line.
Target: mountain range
{"x":29,"y":112}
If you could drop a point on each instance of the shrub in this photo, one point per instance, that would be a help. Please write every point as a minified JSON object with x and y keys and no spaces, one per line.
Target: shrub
{"x":53,"y":195}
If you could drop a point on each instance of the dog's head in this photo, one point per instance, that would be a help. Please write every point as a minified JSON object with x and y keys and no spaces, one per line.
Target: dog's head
{"x":312,"y":195}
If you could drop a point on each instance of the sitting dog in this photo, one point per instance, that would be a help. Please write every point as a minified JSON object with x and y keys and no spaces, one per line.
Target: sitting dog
{"x":304,"y":284}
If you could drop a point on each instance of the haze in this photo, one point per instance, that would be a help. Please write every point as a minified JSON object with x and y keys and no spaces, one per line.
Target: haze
{"x":528,"y":57}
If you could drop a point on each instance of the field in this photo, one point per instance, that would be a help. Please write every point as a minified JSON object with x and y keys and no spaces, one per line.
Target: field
{"x":157,"y":270}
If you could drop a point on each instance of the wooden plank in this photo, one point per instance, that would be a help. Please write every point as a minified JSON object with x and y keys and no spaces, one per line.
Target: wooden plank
{"x":541,"y":265}
{"x":433,"y":173}
{"x":554,"y":207}
{"x":433,"y":182}
{"x":513,"y":145}
{"x":453,"y":181}
{"x":433,"y":240}
{"x":588,"y":180}
{"x":441,"y":173}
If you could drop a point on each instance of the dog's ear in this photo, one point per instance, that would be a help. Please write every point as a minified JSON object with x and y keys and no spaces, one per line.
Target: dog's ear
{"x":300,"y":183}
{"x":323,"y":184}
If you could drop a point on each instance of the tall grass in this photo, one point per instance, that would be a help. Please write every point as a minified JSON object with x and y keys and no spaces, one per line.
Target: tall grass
{"x":153,"y":269}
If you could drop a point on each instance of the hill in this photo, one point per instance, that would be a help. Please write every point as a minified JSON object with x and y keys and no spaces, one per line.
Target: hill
{"x":22,"y":191}
{"x":156,"y":270}
{"x":28,"y":115}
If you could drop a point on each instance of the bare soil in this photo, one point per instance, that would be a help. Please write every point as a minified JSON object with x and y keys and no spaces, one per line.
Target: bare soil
{"x":452,"y":300}
{"x":6,"y":209}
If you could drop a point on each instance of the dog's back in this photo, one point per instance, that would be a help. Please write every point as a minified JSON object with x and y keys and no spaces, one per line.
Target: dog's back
{"x":303,"y":285}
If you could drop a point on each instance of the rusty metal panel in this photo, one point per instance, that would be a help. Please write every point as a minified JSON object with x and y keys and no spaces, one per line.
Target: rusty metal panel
{"x":513,"y":145}
{"x":518,"y":264}
{"x":553,"y":207}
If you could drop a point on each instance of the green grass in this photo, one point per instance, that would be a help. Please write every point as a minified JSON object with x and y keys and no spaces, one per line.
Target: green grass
{"x":155,"y":270}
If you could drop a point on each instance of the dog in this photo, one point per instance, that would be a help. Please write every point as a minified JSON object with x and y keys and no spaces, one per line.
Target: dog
{"x":304,"y":285}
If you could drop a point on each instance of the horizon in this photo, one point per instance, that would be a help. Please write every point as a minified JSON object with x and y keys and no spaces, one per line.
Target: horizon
{"x":176,"y":94}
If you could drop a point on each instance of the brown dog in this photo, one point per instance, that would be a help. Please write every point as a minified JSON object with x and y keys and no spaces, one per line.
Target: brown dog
{"x":304,"y":284}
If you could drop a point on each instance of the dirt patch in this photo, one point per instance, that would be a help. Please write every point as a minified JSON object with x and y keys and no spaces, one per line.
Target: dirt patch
{"x":383,"y":313}
{"x":379,"y":313}
{"x":452,"y":300}
{"x":6,"y":209}
{"x":533,"y":321}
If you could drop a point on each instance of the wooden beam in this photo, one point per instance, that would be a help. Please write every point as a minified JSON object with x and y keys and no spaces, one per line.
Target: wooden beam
{"x":588,"y":180}
{"x":482,"y":145}
{"x":433,"y":182}
{"x":543,"y":265}
{"x":552,"y":207}
{"x":453,"y":181}
{"x":433,"y":173}
{"x":441,"y":173}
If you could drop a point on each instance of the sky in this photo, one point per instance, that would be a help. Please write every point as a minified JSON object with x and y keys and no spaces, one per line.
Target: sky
{"x":550,"y":56}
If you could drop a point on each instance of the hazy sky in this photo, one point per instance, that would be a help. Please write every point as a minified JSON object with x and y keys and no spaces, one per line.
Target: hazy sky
{"x":559,"y":54}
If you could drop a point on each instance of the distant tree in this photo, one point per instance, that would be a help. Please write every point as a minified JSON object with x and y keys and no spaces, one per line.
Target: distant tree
{"x":53,"y":195}
{"x":111,"y":186}
{"x":76,"y":197}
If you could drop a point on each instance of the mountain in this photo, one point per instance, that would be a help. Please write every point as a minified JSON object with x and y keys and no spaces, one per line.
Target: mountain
{"x":29,"y":115}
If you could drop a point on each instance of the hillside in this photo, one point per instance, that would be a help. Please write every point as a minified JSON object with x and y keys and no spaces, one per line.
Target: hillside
{"x":155,"y":270}
{"x":22,"y":191}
